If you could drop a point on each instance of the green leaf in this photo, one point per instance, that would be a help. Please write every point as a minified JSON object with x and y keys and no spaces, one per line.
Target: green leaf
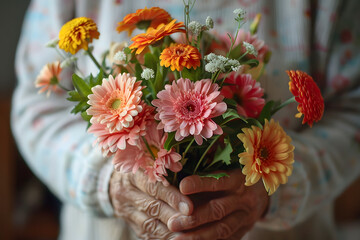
{"x":236,"y":52}
{"x":74,"y":96}
{"x":255,"y":122}
{"x":230,"y":102}
{"x":251,"y":62}
{"x":191,"y":73}
{"x":138,"y":71}
{"x":159,"y":78}
{"x":80,"y":107}
{"x":127,"y":50}
{"x":81,"y":86}
{"x":231,"y":114}
{"x":150,"y":61}
{"x":169,"y":141}
{"x":85,"y":116}
{"x":266,"y":111}
{"x":216,"y":175}
{"x":223,"y":154}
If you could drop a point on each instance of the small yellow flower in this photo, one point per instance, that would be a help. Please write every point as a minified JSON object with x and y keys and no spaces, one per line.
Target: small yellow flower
{"x":77,"y":34}
{"x":268,"y":155}
{"x":178,"y":56}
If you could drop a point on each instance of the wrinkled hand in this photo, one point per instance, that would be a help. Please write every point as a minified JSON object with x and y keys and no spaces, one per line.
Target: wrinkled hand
{"x":224,"y":208}
{"x":146,"y":206}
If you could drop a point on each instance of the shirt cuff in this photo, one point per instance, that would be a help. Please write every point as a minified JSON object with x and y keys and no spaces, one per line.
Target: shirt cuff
{"x":103,"y":189}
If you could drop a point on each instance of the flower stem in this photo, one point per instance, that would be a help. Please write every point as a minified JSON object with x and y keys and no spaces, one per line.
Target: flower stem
{"x":188,"y":147}
{"x":96,"y":62}
{"x":148,"y":147}
{"x":206,"y":151}
{"x":287,"y":102}
{"x":176,"y":75}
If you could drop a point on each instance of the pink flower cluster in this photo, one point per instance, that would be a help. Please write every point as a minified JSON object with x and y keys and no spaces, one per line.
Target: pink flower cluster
{"x":188,"y":108}
{"x":120,"y":120}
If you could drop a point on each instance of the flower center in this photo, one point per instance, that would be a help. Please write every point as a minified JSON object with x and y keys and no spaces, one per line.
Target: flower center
{"x":179,"y":51}
{"x":116,"y":104}
{"x":154,"y":150}
{"x":264,"y":154}
{"x":54,"y":80}
{"x":190,"y":107}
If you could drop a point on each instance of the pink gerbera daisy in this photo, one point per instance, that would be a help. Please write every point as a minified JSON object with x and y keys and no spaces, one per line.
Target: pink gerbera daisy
{"x":133,"y":158}
{"x":108,"y":141}
{"x":115,"y":102}
{"x":188,"y":108}
{"x":48,"y":78}
{"x":246,"y":92}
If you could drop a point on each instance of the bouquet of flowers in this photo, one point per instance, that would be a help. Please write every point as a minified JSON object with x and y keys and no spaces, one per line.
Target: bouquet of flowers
{"x":181,"y":99}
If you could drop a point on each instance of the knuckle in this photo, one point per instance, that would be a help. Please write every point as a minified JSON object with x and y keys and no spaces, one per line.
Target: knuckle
{"x":149,"y":225}
{"x":217,"y":209}
{"x":223,"y":230}
{"x":152,"y":208}
{"x":152,"y":189}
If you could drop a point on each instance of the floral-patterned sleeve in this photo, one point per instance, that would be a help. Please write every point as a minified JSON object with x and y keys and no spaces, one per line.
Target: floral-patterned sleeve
{"x":326,"y":155}
{"x":54,"y":142}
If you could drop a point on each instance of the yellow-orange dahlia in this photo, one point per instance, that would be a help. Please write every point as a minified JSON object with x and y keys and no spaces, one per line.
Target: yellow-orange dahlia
{"x":144,"y":18}
{"x":268,"y":155}
{"x":308,"y":95}
{"x":152,"y":35}
{"x":77,"y":33}
{"x":178,"y":56}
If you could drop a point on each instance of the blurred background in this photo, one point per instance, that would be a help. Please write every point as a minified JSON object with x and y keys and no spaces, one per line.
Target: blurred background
{"x":27,"y":209}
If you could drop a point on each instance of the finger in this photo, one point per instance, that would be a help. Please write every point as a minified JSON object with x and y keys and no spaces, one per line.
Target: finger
{"x":169,"y":194}
{"x":222,"y":229}
{"x":147,"y":227}
{"x":196,"y":184}
{"x":152,"y":207}
{"x":214,"y":210}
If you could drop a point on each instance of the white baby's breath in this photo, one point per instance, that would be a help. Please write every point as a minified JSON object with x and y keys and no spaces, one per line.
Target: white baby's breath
{"x":195,"y":28}
{"x":209,"y":22}
{"x":147,"y":74}
{"x":220,"y":63}
{"x":120,"y":56}
{"x":250,"y":48}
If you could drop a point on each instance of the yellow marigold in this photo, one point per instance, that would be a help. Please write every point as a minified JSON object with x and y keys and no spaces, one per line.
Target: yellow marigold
{"x":268,"y":155}
{"x":178,"y":56}
{"x":77,"y":34}
{"x":144,"y":18}
{"x":152,"y":35}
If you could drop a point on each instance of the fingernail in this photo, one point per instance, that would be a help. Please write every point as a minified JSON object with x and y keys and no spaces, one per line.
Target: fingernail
{"x":174,"y":224}
{"x":184,"y":208}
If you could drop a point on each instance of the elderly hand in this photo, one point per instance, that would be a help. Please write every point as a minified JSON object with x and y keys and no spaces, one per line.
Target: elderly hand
{"x":147,"y":206}
{"x":227,"y":209}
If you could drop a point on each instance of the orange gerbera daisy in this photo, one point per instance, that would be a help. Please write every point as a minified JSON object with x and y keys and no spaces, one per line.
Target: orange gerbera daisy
{"x":77,"y":34}
{"x":308,"y":94}
{"x":178,"y":56}
{"x":268,"y":155}
{"x":153,"y":35}
{"x":144,"y":18}
{"x":48,"y":78}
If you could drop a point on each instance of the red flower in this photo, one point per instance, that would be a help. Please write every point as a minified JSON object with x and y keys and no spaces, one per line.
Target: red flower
{"x":308,"y":95}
